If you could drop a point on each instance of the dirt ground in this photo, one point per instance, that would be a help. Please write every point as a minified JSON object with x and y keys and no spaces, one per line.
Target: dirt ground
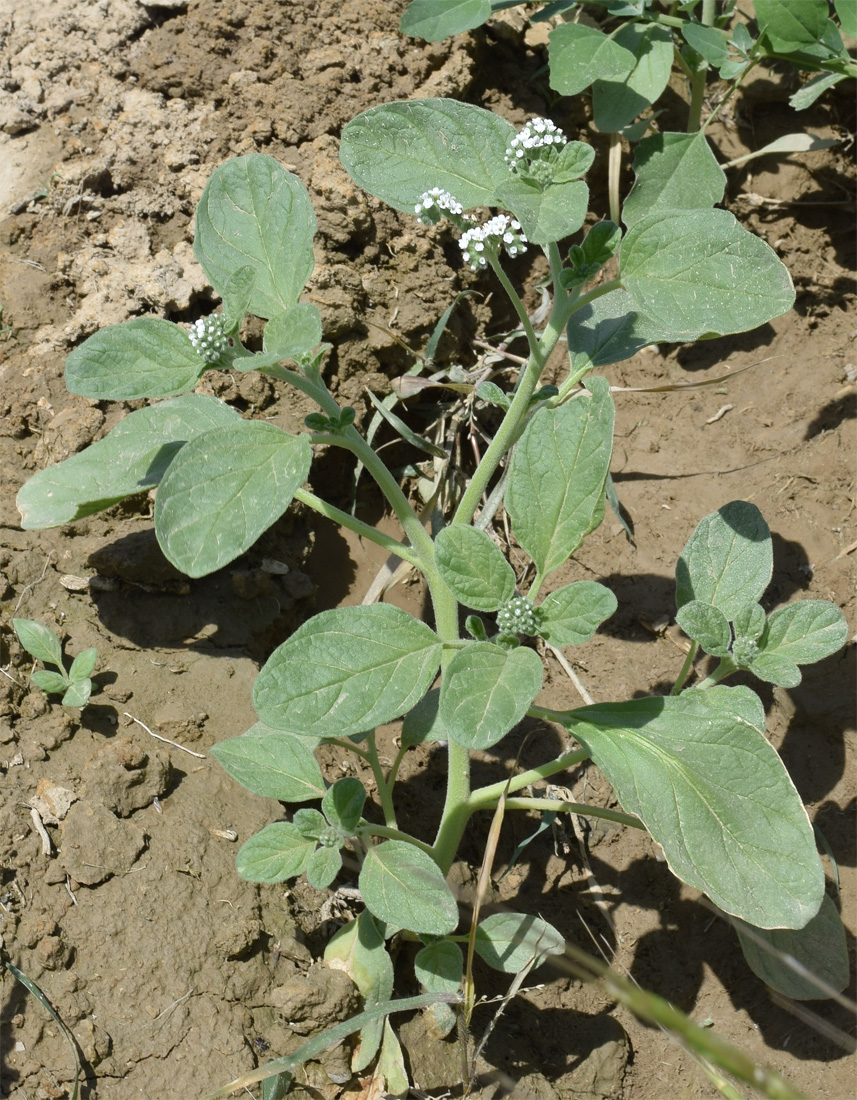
{"x":173,"y":974}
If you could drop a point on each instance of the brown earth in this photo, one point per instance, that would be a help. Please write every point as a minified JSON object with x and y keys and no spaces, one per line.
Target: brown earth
{"x":173,"y":974}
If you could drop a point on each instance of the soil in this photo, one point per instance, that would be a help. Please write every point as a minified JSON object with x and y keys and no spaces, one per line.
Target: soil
{"x":172,"y":973}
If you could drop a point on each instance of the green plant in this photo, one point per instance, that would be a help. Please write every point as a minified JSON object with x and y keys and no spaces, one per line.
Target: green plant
{"x":693,"y":767}
{"x":40,"y":642}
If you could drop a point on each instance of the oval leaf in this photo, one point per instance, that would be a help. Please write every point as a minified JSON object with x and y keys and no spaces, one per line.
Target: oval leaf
{"x":277,"y":853}
{"x":674,"y":172}
{"x":346,"y":671}
{"x":294,"y":332}
{"x":276,"y":765}
{"x":571,"y":615}
{"x":549,"y":214}
{"x":39,"y":641}
{"x":403,"y":886}
{"x":439,"y":967}
{"x":435,"y":20}
{"x":474,"y":567}
{"x":486,"y":691}
{"x":617,"y":100}
{"x":343,"y":804}
{"x":706,"y":625}
{"x":511,"y":941}
{"x":224,"y":489}
{"x":803,"y":633}
{"x":579,"y":54}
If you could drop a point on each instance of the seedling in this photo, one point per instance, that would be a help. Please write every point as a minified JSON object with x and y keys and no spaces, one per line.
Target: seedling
{"x":693,"y":767}
{"x":40,"y":642}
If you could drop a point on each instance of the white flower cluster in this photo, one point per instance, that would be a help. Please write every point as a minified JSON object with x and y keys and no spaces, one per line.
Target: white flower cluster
{"x":518,"y":616}
{"x":434,"y":204}
{"x":538,"y":137}
{"x":209,"y":338}
{"x":497,"y":231}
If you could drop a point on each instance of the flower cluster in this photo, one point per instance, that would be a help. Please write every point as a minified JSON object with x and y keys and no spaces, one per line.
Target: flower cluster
{"x":518,"y":616}
{"x":208,"y":337}
{"x":497,"y":231}
{"x":540,"y":140}
{"x":744,"y":651}
{"x":435,"y":204}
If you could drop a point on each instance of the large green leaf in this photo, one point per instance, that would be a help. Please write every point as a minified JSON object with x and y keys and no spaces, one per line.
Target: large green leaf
{"x":405,"y":887}
{"x":146,"y":357}
{"x":728,"y":560}
{"x":276,"y":765}
{"x":699,"y":772}
{"x":674,"y":172}
{"x":400,"y":150}
{"x":253,"y":213}
{"x":555,"y":494}
{"x":474,"y":567}
{"x":790,"y":26}
{"x":224,"y":489}
{"x":435,"y":20}
{"x":486,"y":691}
{"x":346,"y":671}
{"x":609,"y":329}
{"x":511,"y":941}
{"x":277,"y":853}
{"x":700,"y":274}
{"x":617,"y":100}
{"x":548,"y":214}
{"x":579,"y":54}
{"x":131,"y":459}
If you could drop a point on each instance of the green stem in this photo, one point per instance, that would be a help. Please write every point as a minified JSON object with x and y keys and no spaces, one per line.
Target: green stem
{"x":486,"y":797}
{"x":523,"y":316}
{"x":345,"y":519}
{"x":381,"y":783}
{"x":726,"y":667}
{"x":685,"y":668}
{"x":390,"y":833}
{"x":558,"y":806}
{"x":350,"y":747}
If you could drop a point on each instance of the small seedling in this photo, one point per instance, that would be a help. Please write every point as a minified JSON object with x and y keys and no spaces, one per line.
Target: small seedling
{"x":75,"y":685}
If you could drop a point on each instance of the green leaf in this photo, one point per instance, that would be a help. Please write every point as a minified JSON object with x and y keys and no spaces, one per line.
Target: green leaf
{"x":391,"y":1063}
{"x":571,"y":615}
{"x":423,"y":721}
{"x":474,"y":567}
{"x":674,"y":172}
{"x":545,"y":215}
{"x":699,"y":772}
{"x":83,"y":665}
{"x":78,"y":693}
{"x":511,"y":941}
{"x":728,"y":560}
{"x":555,"y":494}
{"x":601,"y":243}
{"x":617,"y":100}
{"x":486,"y":691}
{"x":789,"y":960}
{"x":750,"y":621}
{"x":50,"y":682}
{"x":807,"y":95}
{"x":277,"y":853}
{"x":398,"y":151}
{"x":578,"y":54}
{"x":574,"y":160}
{"x":237,"y":294}
{"x":799,"y":634}
{"x":700,"y":274}
{"x":253,"y":213}
{"x":439,"y":967}
{"x":343,"y":804}
{"x":312,"y":825}
{"x":146,"y":357}
{"x":275,"y":765}
{"x":224,"y":489}
{"x":435,"y":20}
{"x":608,"y":330}
{"x":131,"y":459}
{"x":294,"y":332}
{"x":39,"y":641}
{"x":706,"y":625}
{"x":323,"y":866}
{"x":403,"y":886}
{"x":788,"y":26}
{"x":346,"y":671}
{"x":709,"y":42}
{"x":847,"y":13}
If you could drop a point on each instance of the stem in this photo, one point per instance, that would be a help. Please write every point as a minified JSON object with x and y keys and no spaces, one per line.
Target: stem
{"x":573,"y":808}
{"x":390,"y":833}
{"x":381,"y":783}
{"x":614,"y":163}
{"x":350,"y":747}
{"x":726,"y":667}
{"x":345,"y":519}
{"x":685,"y":668}
{"x":486,"y":797}
{"x":523,"y":316}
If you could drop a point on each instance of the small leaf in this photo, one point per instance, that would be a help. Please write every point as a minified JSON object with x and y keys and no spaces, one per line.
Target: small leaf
{"x":674,"y":172}
{"x":343,"y":804}
{"x":750,"y":621}
{"x":574,"y":160}
{"x":548,"y":214}
{"x":486,"y":691}
{"x":237,"y":295}
{"x":50,"y":682}
{"x":439,"y":967}
{"x":312,"y":825}
{"x":511,"y":941}
{"x":728,"y":560}
{"x":294,"y":332}
{"x":617,"y":100}
{"x":39,"y":641}
{"x":224,"y":489}
{"x":474,"y":567}
{"x":277,"y":853}
{"x":579,"y":54}
{"x":146,"y":357}
{"x":788,"y":960}
{"x":571,"y":615}
{"x":423,"y":721}
{"x":391,"y":1064}
{"x":78,"y":693}
{"x":709,"y":42}
{"x":811,"y":91}
{"x":83,"y":665}
{"x":346,"y":671}
{"x":323,"y":866}
{"x":799,"y":634}
{"x":707,"y":625}
{"x":403,"y":886}
{"x":435,"y":20}
{"x":273,"y":764}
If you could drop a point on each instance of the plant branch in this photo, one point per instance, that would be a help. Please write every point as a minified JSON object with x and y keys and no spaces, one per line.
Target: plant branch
{"x":582,"y":808}
{"x":345,"y":519}
{"x":486,"y":797}
{"x":381,"y":783}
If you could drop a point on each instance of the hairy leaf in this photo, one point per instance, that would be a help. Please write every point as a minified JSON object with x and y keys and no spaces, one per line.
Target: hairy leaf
{"x":358,"y":948}
{"x":617,"y":100}
{"x":706,"y":625}
{"x":546,"y":215}
{"x":474,"y":567}
{"x":510,"y":941}
{"x":277,"y":853}
{"x":579,"y":54}
{"x":799,"y":634}
{"x":439,"y":967}
{"x":435,"y":20}
{"x":673,"y":172}
{"x":486,"y":691}
{"x":571,"y":615}
{"x":343,"y":804}
{"x":609,"y":329}
{"x":294,"y":332}
{"x":403,"y":886}
{"x":39,"y":641}
{"x":276,"y":765}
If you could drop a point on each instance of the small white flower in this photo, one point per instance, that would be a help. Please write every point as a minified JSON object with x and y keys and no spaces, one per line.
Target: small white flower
{"x":539,"y":139}
{"x":497,"y":231}
{"x":435,"y":203}
{"x":209,"y":338}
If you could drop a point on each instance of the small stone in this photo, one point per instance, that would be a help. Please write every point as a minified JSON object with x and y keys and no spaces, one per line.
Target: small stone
{"x":125,"y":778}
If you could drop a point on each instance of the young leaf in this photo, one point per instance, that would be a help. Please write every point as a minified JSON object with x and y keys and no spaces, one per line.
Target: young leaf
{"x":709,"y":42}
{"x":323,"y":866}
{"x":294,"y":332}
{"x":277,"y":853}
{"x":806,"y":964}
{"x":131,"y":459}
{"x":608,"y":330}
{"x":398,"y":151}
{"x":423,"y":721}
{"x":391,"y":1062}
{"x":237,"y":294}
{"x":83,"y":665}
{"x":750,"y":621}
{"x":486,"y":691}
{"x":555,"y":494}
{"x":346,"y":671}
{"x":547,"y":214}
{"x":403,"y":886}
{"x":50,"y":682}
{"x":439,"y":967}
{"x":790,"y":27}
{"x":617,"y":100}
{"x":728,"y":560}
{"x":799,"y":634}
{"x":78,"y":693}
{"x":579,"y":54}
{"x":706,"y":625}
{"x":253,"y":213}
{"x":474,"y":567}
{"x":674,"y":172}
{"x":145,"y":357}
{"x":358,"y":949}
{"x":510,"y":941}
{"x":435,"y":20}
{"x":343,"y":804}
{"x":312,"y":825}
{"x":807,"y":95}
{"x":699,"y":772}
{"x":574,"y":160}
{"x":571,"y":615}
{"x":224,"y":489}
{"x":275,"y":765}
{"x":39,"y":641}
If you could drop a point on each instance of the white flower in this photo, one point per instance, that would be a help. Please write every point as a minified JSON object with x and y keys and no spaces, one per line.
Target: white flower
{"x":435,"y":203}
{"x":539,"y":139}
{"x":497,"y":231}
{"x":209,"y":338}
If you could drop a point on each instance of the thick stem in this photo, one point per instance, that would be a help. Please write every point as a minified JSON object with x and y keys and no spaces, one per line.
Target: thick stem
{"x":685,"y":668}
{"x":726,"y":667}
